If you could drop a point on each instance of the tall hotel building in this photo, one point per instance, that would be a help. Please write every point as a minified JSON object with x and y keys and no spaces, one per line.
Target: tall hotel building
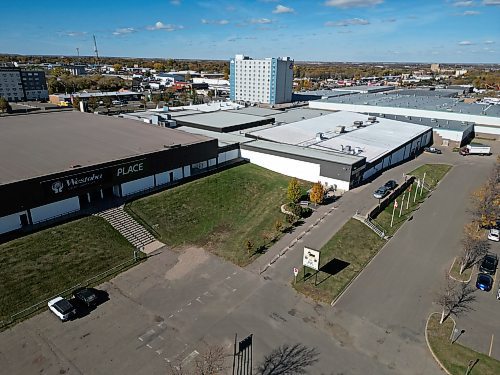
{"x":261,"y":81}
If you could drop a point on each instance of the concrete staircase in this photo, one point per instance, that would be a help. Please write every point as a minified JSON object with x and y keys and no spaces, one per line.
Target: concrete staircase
{"x":379,"y":231}
{"x":135,"y":233}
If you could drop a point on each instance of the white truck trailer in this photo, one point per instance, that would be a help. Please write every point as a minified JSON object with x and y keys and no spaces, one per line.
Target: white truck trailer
{"x":475,"y":149}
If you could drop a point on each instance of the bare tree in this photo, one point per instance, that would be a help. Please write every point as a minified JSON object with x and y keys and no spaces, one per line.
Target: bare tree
{"x":455,"y":298}
{"x":288,"y":360}
{"x":212,"y":362}
{"x":474,"y":247}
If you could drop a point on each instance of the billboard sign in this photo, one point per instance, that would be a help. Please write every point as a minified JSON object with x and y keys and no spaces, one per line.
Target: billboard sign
{"x":311,"y":258}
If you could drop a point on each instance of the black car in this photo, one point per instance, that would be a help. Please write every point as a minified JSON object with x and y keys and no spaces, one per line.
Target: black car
{"x":489,"y":264}
{"x":432,"y":150}
{"x":391,"y":184}
{"x":484,"y":282}
{"x":87,"y":296}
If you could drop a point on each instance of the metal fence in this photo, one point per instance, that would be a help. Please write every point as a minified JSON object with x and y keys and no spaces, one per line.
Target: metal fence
{"x":138,"y":256}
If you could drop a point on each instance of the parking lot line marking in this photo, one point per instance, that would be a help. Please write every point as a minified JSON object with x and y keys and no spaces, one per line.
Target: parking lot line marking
{"x":171,"y":316}
{"x":234,"y":290}
{"x":190,"y":357}
{"x":151,"y":331}
{"x":189,"y":304}
{"x":179,"y":310}
{"x":235,"y":272}
{"x":206,"y":293}
{"x":159,"y":351}
{"x":491,"y":344}
{"x":198,"y":299}
{"x":227,"y":278}
{"x":166,"y":359}
{"x":161,"y":324}
{"x":140,"y":338}
{"x":149,"y":346}
{"x":161,"y":337}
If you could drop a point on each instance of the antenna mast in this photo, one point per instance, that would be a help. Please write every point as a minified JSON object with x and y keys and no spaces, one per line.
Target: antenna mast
{"x":95,"y":50}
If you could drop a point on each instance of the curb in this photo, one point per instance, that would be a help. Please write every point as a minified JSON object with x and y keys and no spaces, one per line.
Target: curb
{"x":453,"y":278}
{"x":429,"y":346}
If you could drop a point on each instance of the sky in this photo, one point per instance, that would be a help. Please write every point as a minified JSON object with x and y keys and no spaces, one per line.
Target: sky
{"x":446,"y":31}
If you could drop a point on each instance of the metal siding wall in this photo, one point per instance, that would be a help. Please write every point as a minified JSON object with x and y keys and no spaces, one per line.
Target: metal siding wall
{"x":386,"y":162}
{"x":10,"y":222}
{"x":55,"y":209}
{"x":177,"y":174}
{"x":162,"y":179}
{"x":187,"y":171}
{"x":212,"y":162}
{"x":407,"y":151}
{"x":138,"y":185}
{"x":398,"y":156}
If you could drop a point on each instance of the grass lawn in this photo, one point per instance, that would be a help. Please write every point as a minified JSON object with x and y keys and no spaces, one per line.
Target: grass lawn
{"x":433,"y":174}
{"x":348,"y":252}
{"x":37,"y":266}
{"x":220,"y":212}
{"x":456,"y":357}
{"x":455,"y":272}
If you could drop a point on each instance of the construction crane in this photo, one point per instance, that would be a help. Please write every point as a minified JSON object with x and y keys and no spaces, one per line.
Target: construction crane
{"x":96,"y":52}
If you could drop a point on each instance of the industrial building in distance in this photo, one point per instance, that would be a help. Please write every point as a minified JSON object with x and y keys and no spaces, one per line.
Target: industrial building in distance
{"x":18,"y":85}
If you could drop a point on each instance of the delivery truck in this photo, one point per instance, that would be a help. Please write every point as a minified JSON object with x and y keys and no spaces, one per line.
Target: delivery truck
{"x":475,"y":149}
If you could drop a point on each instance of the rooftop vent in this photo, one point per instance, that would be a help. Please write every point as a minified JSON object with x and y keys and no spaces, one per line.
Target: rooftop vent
{"x":319,"y":136}
{"x":358,"y":123}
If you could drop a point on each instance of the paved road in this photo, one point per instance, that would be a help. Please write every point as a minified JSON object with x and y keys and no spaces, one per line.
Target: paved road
{"x":170,"y":308}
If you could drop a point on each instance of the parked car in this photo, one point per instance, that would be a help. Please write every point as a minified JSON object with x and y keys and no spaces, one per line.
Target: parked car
{"x":87,"y":296}
{"x":489,"y":264}
{"x":494,"y":235}
{"x":381,"y":192}
{"x":484,"y":282}
{"x":432,"y":150}
{"x":391,"y":184}
{"x":62,"y":308}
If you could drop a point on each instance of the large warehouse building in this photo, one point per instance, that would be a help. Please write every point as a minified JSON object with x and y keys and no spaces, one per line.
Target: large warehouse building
{"x":340,"y":149}
{"x":55,"y":164}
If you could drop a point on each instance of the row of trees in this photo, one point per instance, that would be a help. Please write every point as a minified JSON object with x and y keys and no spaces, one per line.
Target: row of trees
{"x":68,"y":83}
{"x":287,"y":359}
{"x":457,"y":297}
{"x":4,"y":105}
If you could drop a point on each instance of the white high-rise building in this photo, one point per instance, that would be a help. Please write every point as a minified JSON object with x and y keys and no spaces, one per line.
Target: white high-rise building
{"x":261,"y":81}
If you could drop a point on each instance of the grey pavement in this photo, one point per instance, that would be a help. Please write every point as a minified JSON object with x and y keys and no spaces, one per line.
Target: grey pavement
{"x":168,"y":309}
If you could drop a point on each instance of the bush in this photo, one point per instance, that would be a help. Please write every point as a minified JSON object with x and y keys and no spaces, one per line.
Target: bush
{"x":299,"y":211}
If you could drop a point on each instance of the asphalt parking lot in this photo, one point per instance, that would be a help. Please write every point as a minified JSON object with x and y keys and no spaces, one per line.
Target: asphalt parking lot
{"x":481,"y":325}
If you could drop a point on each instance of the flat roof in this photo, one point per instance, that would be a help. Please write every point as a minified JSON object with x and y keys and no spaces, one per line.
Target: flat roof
{"x":430,"y":103}
{"x":372,"y":141}
{"x":447,"y":93}
{"x":306,"y":152}
{"x":257,"y":111}
{"x":222,"y":119}
{"x":365,"y":88}
{"x":459,"y":126}
{"x":299,"y":114}
{"x":44,"y":143}
{"x":224,"y":139}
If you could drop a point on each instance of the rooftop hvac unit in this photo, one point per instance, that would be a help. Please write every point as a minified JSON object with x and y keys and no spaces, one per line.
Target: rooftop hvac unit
{"x":339,"y":129}
{"x":357,"y":150}
{"x":372,"y":118}
{"x":347,"y":148}
{"x":319,"y":136}
{"x":358,"y":123}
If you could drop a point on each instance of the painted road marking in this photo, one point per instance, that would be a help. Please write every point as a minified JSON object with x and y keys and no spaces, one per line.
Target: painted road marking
{"x":161,"y":337}
{"x":198,"y":299}
{"x":206,"y":293}
{"x":140,"y":338}
{"x":161,"y":324}
{"x":190,"y":357}
{"x":189,"y":304}
{"x":149,"y":346}
{"x":234,"y":290}
{"x":491,"y":344}
{"x":159,"y":351}
{"x":148,"y":333}
{"x":171,"y":316}
{"x":227,"y":278}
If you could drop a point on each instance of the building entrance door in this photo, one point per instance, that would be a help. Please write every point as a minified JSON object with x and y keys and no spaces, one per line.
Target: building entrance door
{"x":24,"y":220}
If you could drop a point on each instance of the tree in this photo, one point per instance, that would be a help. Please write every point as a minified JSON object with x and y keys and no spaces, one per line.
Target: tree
{"x":288,"y":360}
{"x":474,"y":247}
{"x":158,"y":67}
{"x":117,"y":67}
{"x":317,"y":193}
{"x":455,"y":298}
{"x":249,"y":247}
{"x":93,"y":103}
{"x":212,"y":361}
{"x":188,"y":77}
{"x":4,"y":105}
{"x":76,"y":102}
{"x":106,"y":101}
{"x":226,"y":73}
{"x":294,"y":192}
{"x":278,"y":226}
{"x":486,"y":203}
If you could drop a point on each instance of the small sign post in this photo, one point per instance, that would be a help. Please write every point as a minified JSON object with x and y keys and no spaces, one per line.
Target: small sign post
{"x":311,"y":260}
{"x":295,"y":273}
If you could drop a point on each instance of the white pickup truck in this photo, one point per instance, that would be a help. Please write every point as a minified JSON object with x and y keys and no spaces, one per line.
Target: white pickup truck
{"x":475,"y":149}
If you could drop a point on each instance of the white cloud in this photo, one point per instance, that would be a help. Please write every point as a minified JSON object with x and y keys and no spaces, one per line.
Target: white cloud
{"x":73,"y":33}
{"x":465,"y":43}
{"x":389,"y":20}
{"x":489,"y":42}
{"x":280,"y":9}
{"x":491,"y":2}
{"x":347,"y":22}
{"x":175,"y":2}
{"x":471,"y":13}
{"x":214,"y":22}
{"x":261,"y":21}
{"x":463,"y":3}
{"x":167,"y":27}
{"x":124,"y":30}
{"x":352,"y":3}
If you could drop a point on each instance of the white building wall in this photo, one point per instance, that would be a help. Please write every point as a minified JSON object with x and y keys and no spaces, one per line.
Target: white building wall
{"x":487,"y":130}
{"x":478,"y":119}
{"x":212,"y":162}
{"x":136,"y":186}
{"x":55,"y":209}
{"x":187,"y":171}
{"x":10,"y":222}
{"x":228,"y":155}
{"x":177,"y":174}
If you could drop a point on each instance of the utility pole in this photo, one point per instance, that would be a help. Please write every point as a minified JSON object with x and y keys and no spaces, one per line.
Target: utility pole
{"x":78,"y":53}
